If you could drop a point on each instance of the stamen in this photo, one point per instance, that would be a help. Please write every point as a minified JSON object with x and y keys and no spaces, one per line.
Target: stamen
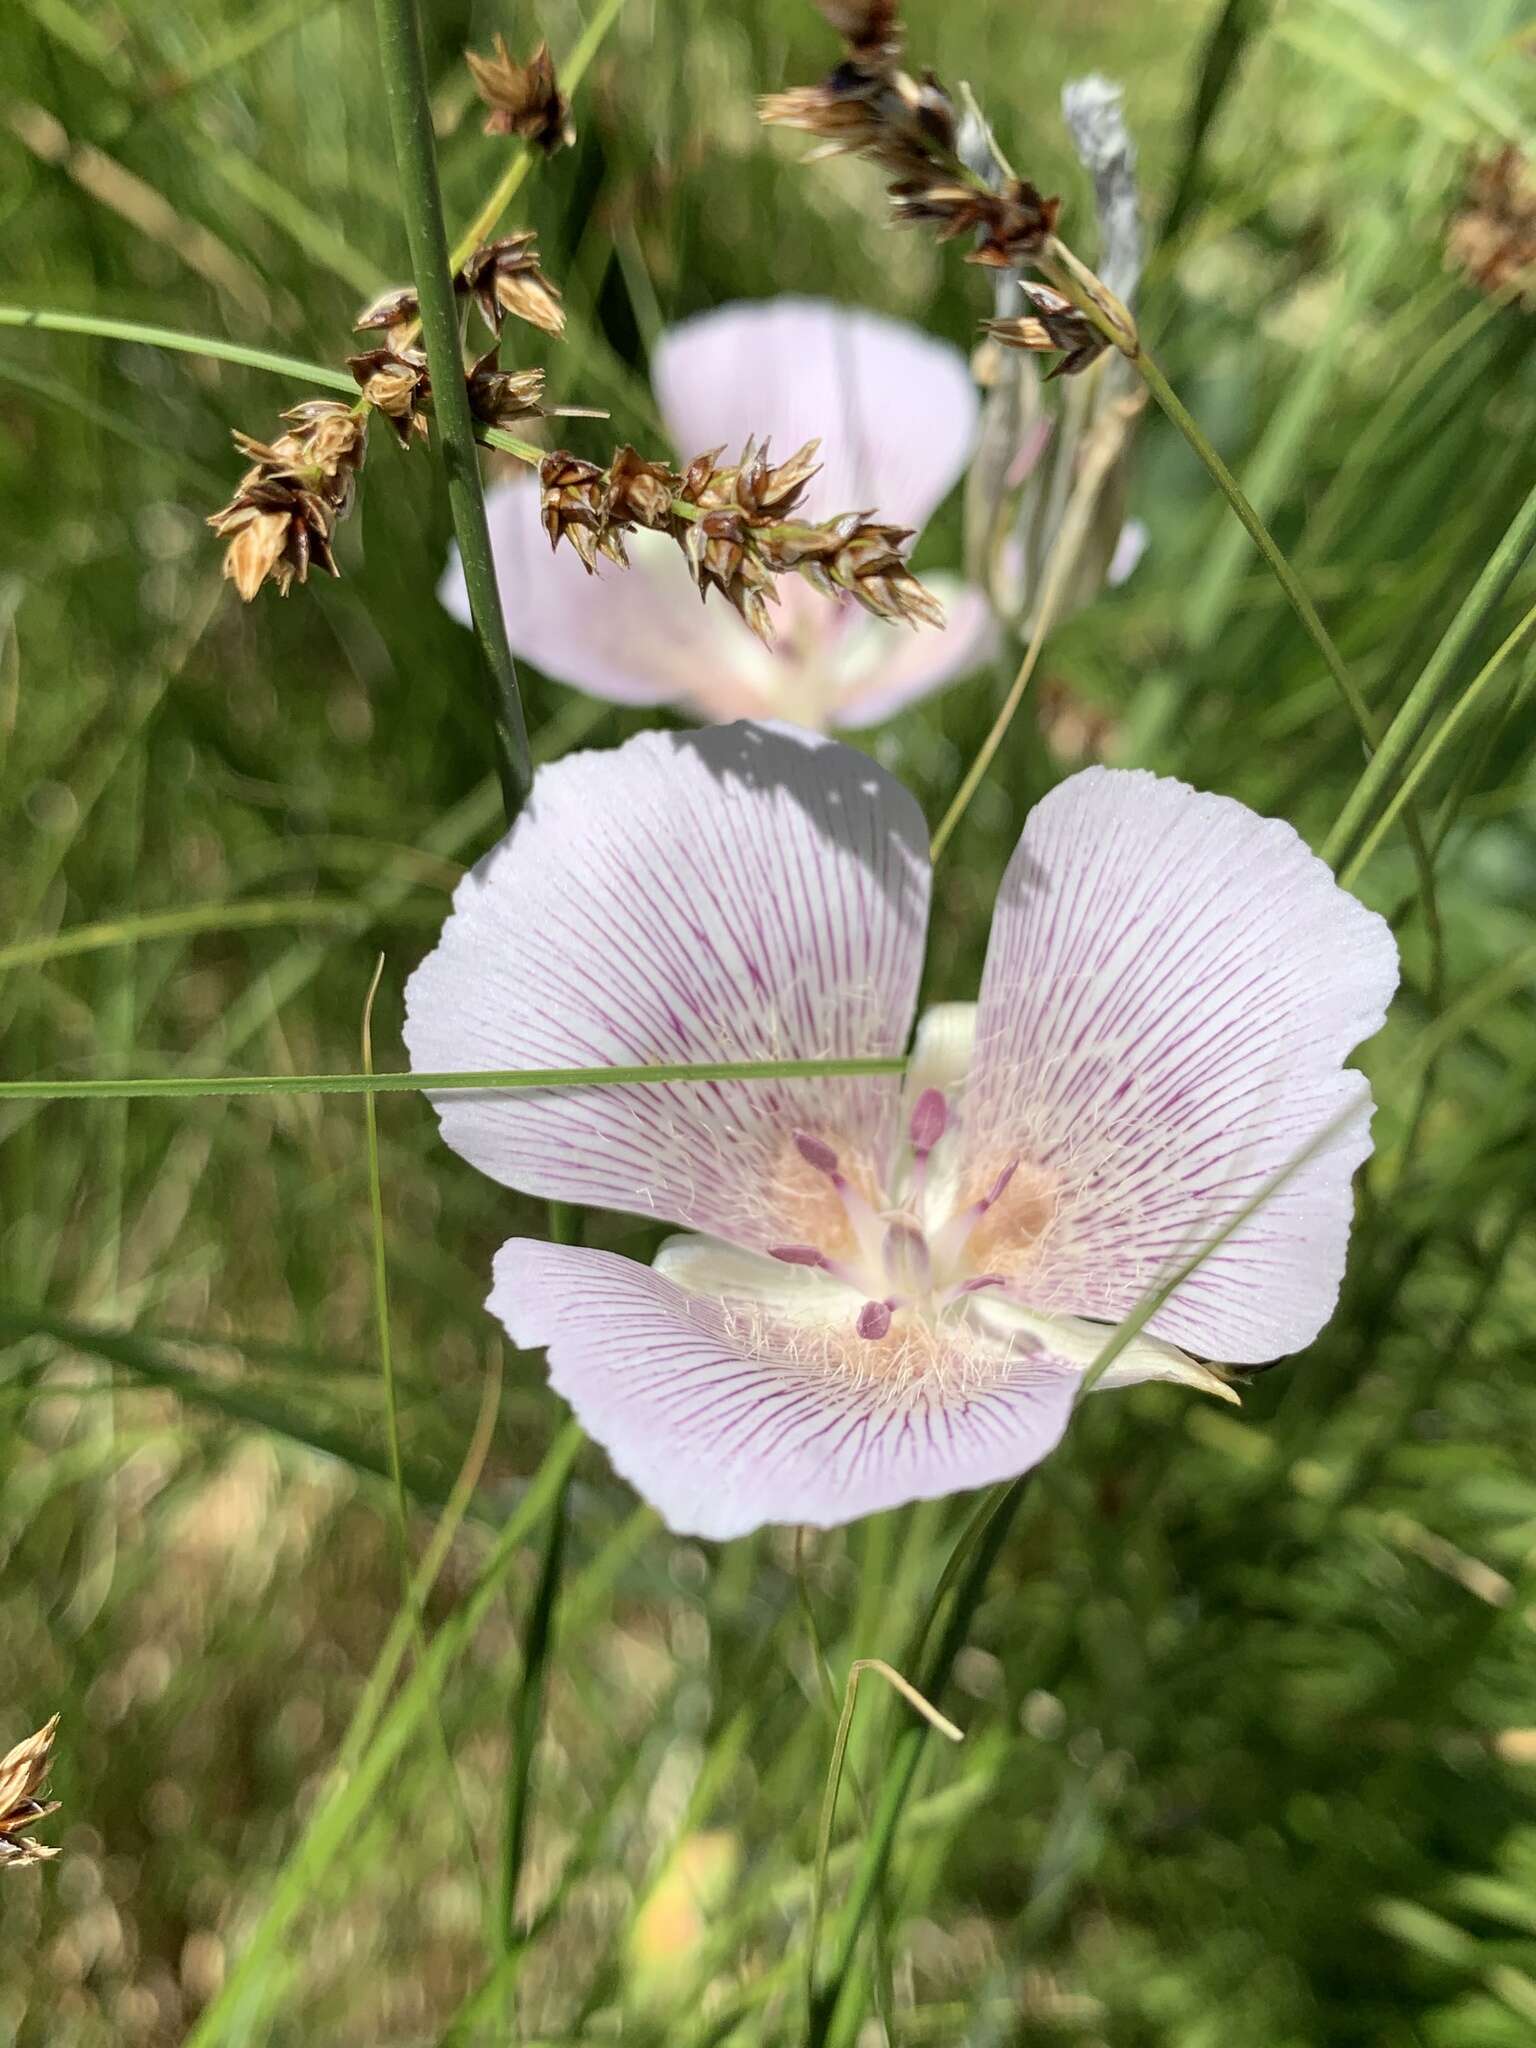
{"x":815,"y":1152}
{"x":865,"y":1222}
{"x":975,"y":1286}
{"x":874,"y":1320}
{"x":930,"y":1117}
{"x":808,"y":1255}
{"x":997,"y":1188}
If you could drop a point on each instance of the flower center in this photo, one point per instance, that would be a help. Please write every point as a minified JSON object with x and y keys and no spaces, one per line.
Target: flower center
{"x":909,"y":1263}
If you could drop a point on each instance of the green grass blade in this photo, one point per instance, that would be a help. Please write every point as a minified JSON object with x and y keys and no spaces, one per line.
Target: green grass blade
{"x":193,"y":1087}
{"x":1418,"y":707}
{"x":410,"y":118}
{"x":342,"y":1809}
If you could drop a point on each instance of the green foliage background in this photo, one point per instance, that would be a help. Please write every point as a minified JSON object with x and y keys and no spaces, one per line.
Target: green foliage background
{"x":1251,"y":1741}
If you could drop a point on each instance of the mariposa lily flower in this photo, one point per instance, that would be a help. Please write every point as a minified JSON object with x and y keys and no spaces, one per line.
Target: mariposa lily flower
{"x":891,"y":1288}
{"x":895,"y":413}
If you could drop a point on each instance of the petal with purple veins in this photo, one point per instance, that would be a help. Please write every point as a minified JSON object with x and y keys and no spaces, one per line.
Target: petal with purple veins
{"x":727,"y":1418}
{"x":1172,"y":986}
{"x":740,"y":893}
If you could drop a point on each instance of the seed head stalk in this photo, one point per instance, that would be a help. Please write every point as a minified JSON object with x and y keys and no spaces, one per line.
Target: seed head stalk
{"x":1099,"y":456}
{"x":410,"y":120}
{"x":1075,"y":281}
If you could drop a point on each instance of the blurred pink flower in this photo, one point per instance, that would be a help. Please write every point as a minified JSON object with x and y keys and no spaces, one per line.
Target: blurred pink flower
{"x":896,"y":415}
{"x":891,"y":1289}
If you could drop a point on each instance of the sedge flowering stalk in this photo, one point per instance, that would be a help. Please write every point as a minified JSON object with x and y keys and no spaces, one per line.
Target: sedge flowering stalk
{"x":885,"y":417}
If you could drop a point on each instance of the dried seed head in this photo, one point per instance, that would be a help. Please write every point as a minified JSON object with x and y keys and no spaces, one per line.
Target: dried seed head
{"x":704,"y":482}
{"x":842,"y":111}
{"x":397,"y":313}
{"x":525,"y":99}
{"x":22,"y":1773}
{"x":767,"y":491}
{"x":1021,"y":222}
{"x":897,"y":120}
{"x":333,"y":436}
{"x":871,"y":29}
{"x":276,"y":530}
{"x":573,"y":501}
{"x":723,"y":555}
{"x":289,"y":503}
{"x":863,"y":558}
{"x":257,"y":544}
{"x":1012,"y":224}
{"x":1492,"y":240}
{"x":497,"y":396}
{"x":742,"y":534}
{"x":504,"y":277}
{"x":396,"y":384}
{"x":912,"y":128}
{"x":947,"y":205}
{"x":640,"y":493}
{"x":1054,"y":325}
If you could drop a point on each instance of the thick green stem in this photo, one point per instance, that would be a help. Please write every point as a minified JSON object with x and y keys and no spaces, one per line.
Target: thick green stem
{"x":410,"y":119}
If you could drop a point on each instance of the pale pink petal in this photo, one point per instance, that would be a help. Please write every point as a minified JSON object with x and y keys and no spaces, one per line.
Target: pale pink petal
{"x":895,"y":410}
{"x":883,"y":667}
{"x":638,"y":636}
{"x":741,"y":893}
{"x":724,"y":1423}
{"x":1171,"y":989}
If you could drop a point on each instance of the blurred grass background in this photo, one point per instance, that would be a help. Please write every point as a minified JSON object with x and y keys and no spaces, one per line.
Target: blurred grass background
{"x":1251,"y":1706}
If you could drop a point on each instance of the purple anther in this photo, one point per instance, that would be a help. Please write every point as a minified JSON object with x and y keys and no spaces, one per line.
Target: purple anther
{"x":874,"y":1320}
{"x":815,"y":1153}
{"x":798,"y":1254}
{"x":997,"y":1186}
{"x":981,"y":1280}
{"x":930,"y":1115}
